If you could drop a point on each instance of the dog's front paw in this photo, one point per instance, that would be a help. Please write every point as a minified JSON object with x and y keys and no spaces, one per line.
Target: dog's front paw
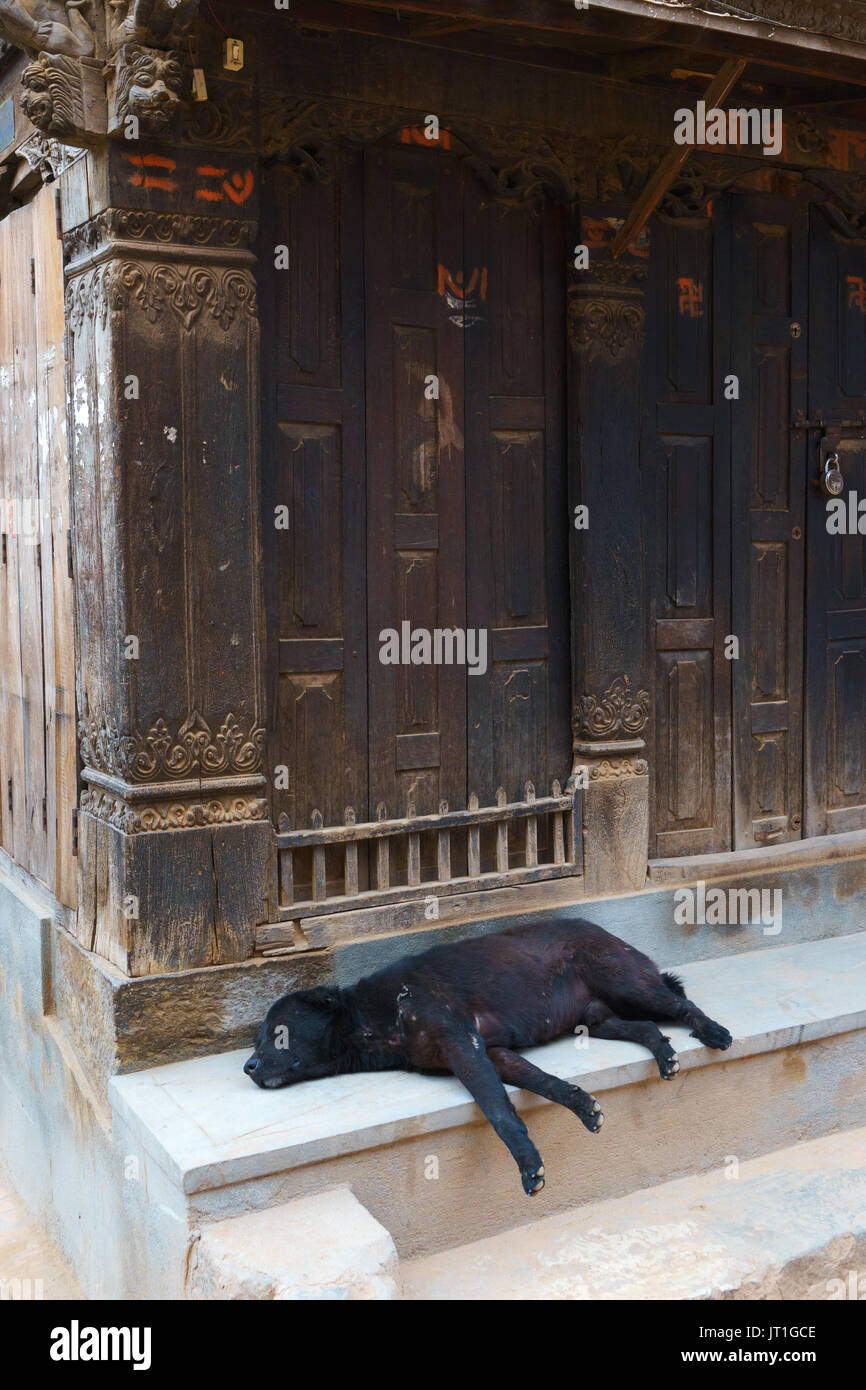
{"x":587,"y":1110}
{"x":713,"y":1035}
{"x":667,"y":1059}
{"x":532,"y":1177}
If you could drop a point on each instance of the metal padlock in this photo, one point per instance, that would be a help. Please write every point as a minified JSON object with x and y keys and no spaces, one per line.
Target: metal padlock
{"x":833,"y":481}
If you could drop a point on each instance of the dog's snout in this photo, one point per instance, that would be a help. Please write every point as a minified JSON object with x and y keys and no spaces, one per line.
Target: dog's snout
{"x":252,"y":1066}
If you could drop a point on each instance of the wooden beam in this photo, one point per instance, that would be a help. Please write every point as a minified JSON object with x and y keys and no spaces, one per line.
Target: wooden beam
{"x":623,"y":20}
{"x":670,"y":166}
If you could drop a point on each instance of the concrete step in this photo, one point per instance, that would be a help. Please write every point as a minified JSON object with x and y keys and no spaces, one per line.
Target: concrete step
{"x":789,"y":1225}
{"x":418,"y":1155}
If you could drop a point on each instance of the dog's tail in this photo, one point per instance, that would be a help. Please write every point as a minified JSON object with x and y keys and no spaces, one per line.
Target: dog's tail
{"x":674,"y":983}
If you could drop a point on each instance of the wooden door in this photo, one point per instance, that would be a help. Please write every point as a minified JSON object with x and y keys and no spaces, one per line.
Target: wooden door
{"x":686,"y":469}
{"x":466,"y":498}
{"x":517,"y":519}
{"x":836,"y":580}
{"x":416,"y":487}
{"x":415,"y":397}
{"x":314,"y":549}
{"x":769,"y":296}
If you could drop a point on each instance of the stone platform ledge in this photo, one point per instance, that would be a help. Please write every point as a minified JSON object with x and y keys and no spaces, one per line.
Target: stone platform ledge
{"x":206,"y":1125}
{"x":790,"y":1225}
{"x":326,"y":1246}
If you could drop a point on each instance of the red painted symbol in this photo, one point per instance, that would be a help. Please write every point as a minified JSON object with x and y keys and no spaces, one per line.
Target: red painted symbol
{"x":141,"y":179}
{"x":598,"y":231}
{"x":856,"y":292}
{"x":416,"y":135}
{"x":238,"y":188}
{"x":453,"y":283}
{"x":691,"y":297}
{"x":847,"y":148}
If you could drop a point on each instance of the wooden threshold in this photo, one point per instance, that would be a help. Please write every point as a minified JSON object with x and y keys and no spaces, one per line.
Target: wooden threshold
{"x":317,"y":933}
{"x":796,"y":854}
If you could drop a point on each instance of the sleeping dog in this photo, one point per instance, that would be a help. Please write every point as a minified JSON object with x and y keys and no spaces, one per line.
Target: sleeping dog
{"x":471,"y":1007}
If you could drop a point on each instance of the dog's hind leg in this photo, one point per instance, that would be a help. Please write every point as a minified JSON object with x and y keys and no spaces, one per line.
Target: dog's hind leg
{"x":665,"y":998}
{"x":470,"y":1063}
{"x":514,"y":1070}
{"x":602,"y":1022}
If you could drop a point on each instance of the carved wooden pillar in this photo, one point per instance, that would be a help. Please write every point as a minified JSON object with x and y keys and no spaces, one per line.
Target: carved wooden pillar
{"x":163,"y":361}
{"x":611,"y":702}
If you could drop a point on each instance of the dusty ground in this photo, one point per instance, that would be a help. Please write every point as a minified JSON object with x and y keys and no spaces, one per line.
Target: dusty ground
{"x":27,"y":1254}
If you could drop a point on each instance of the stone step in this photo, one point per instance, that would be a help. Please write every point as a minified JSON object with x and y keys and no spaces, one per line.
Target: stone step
{"x":418,"y":1155}
{"x":789,"y":1225}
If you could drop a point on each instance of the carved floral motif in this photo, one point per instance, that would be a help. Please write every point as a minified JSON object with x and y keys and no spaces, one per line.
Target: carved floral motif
{"x":159,"y":753}
{"x":620,"y":710}
{"x":167,"y":815}
{"x":609,"y":328}
{"x":618,"y":767}
{"x":185,"y":291}
{"x":168,"y":227}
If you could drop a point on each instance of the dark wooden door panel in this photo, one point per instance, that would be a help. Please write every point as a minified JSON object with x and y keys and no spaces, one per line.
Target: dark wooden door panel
{"x":516,"y":501}
{"x":836,"y":585}
{"x":687,"y":509}
{"x":769,"y":309}
{"x":315,"y":569}
{"x":415,"y":471}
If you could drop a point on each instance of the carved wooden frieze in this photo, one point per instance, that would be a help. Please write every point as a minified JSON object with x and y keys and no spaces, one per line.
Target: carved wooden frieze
{"x":515,"y":164}
{"x":49,"y":157}
{"x":227,"y":120}
{"x":166,"y":228}
{"x":160,"y":753}
{"x":137,"y":819}
{"x":183,"y":291}
{"x":606,"y":768}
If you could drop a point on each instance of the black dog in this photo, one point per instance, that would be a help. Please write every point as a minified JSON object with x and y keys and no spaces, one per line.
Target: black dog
{"x":468,"y":1008}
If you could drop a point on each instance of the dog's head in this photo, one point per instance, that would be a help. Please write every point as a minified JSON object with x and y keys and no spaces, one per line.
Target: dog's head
{"x":299,"y":1039}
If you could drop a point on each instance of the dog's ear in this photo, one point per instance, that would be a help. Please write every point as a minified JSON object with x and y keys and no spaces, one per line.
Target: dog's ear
{"x":324,"y":997}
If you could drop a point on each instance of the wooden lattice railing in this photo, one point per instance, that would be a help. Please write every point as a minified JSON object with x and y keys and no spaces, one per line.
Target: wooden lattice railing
{"x":337,"y":868}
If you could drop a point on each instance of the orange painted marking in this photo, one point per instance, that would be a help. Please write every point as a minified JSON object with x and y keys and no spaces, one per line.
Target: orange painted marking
{"x":598,"y":231}
{"x":845,"y":145}
{"x":415,"y":135}
{"x":691,"y":297}
{"x":238,"y":188}
{"x":454,"y":282}
{"x":140,"y":179}
{"x":856,"y":292}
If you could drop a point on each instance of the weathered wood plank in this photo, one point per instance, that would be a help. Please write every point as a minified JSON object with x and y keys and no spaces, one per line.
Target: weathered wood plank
{"x":57,"y":593}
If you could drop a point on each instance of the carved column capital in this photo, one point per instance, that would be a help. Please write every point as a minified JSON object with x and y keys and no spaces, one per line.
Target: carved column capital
{"x":613,"y":722}
{"x":606,"y":317}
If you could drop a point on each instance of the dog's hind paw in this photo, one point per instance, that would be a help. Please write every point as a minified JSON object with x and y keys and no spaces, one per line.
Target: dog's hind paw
{"x":713,"y":1035}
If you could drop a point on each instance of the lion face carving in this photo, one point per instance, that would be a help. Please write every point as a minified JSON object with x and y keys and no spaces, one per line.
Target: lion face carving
{"x":148,"y":87}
